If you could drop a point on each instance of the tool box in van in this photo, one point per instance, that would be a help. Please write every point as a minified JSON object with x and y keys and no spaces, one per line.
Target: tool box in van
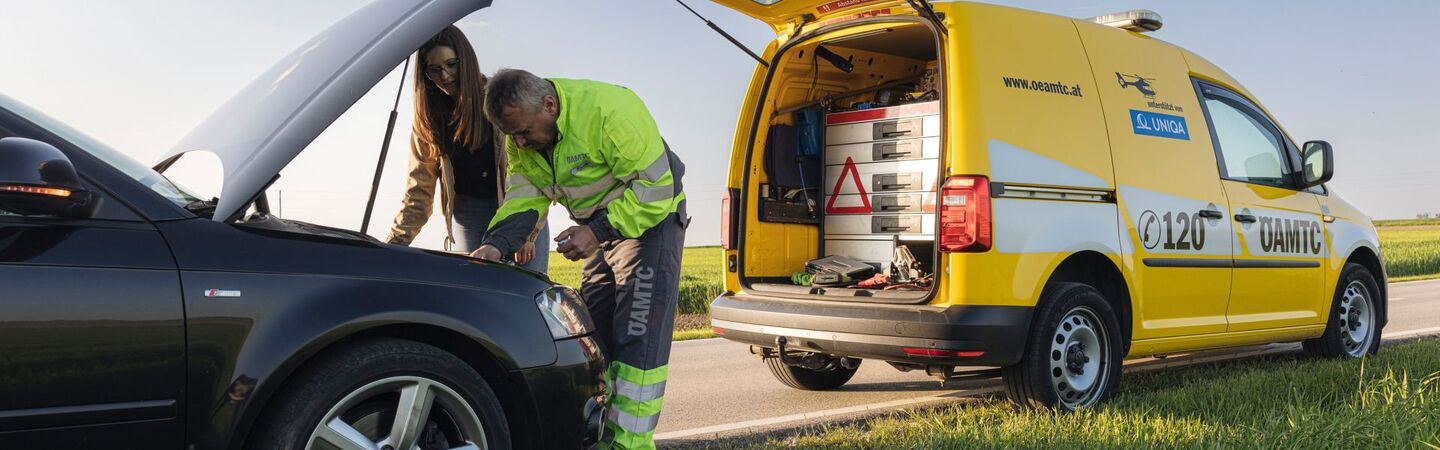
{"x":1040,"y":194}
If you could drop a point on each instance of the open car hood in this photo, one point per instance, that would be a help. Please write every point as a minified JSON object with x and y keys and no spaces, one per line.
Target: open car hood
{"x":259,"y":131}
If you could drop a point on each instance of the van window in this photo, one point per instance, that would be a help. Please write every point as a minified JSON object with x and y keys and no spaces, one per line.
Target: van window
{"x":1250,"y":148}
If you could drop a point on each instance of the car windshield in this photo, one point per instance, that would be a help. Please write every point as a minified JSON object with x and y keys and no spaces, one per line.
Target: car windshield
{"x":139,"y":172}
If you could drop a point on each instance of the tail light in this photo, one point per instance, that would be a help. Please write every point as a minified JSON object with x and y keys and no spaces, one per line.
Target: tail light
{"x":965,"y":214}
{"x":729,"y":224}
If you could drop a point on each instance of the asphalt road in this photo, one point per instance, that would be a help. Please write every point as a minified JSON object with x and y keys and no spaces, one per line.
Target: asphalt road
{"x":717,"y":388}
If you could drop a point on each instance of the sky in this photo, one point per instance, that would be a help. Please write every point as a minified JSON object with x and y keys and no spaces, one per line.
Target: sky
{"x":139,"y":74}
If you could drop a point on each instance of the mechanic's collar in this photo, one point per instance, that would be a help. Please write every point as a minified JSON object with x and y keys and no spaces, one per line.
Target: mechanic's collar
{"x":561,"y":116}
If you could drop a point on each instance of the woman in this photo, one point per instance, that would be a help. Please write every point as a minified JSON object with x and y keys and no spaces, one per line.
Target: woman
{"x":453,"y":142}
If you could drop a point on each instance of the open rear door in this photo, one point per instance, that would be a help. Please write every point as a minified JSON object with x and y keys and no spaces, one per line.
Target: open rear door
{"x":785,"y":15}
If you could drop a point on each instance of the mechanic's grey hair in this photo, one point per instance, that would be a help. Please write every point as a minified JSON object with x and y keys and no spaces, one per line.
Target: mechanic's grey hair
{"x":515,"y":88}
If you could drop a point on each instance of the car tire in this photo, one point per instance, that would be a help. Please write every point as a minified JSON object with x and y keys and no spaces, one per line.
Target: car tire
{"x":1073,"y":354}
{"x":832,"y":376}
{"x":1353,"y":328}
{"x":362,"y":385}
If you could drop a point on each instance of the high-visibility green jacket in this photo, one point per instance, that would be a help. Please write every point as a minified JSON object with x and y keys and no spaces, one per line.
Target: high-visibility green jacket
{"x":609,"y":168}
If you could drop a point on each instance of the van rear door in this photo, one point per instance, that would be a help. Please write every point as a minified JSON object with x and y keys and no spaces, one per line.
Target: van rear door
{"x":785,"y":15}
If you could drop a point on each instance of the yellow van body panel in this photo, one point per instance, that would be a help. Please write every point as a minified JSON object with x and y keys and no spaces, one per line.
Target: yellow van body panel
{"x":1042,"y":101}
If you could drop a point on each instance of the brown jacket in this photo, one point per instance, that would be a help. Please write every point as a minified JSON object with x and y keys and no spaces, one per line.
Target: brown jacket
{"x":427,"y":166}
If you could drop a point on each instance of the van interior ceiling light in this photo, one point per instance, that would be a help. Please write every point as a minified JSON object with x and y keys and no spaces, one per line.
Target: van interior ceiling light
{"x":835,"y":60}
{"x":1139,"y":20}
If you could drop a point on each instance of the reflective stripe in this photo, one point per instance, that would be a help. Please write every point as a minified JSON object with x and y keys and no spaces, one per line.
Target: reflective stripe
{"x":631,"y":423}
{"x":521,"y":191}
{"x":585,"y":213}
{"x":657,"y":169}
{"x":590,"y":189}
{"x":637,"y":392}
{"x":647,"y":194}
{"x":516,"y":179}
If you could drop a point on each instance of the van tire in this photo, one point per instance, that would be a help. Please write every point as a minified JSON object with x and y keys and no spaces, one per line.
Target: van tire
{"x":831,"y":377}
{"x":1046,"y":376}
{"x":1353,"y":328}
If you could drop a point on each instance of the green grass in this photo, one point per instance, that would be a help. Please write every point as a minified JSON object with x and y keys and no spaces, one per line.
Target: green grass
{"x":1411,"y":254}
{"x":1388,"y":401}
{"x":697,"y":333}
{"x":1406,"y":222}
{"x":701,"y":276}
{"x":701,"y":280}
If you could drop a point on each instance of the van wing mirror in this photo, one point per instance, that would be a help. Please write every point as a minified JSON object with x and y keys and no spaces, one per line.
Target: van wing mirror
{"x":37,"y":179}
{"x":1319,"y":163}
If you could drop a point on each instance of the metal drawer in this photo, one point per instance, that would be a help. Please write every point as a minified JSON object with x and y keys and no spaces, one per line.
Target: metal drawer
{"x":906,"y":128}
{"x":910,"y":202}
{"x":906,"y":149}
{"x":903,"y":176}
{"x":888,"y":225}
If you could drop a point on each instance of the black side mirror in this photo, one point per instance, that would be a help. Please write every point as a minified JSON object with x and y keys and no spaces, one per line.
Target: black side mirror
{"x":36,"y":179}
{"x":1319,"y":163}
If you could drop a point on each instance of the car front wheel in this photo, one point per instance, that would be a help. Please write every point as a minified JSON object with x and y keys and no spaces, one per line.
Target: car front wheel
{"x":388,"y":395}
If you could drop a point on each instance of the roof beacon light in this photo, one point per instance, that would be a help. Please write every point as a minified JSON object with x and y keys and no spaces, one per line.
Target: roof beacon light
{"x":1139,"y":20}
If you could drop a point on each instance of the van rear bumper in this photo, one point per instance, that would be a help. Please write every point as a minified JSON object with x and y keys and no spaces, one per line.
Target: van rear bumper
{"x":876,"y":331}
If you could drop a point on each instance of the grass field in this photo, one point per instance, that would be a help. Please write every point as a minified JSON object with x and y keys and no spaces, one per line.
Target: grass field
{"x":1406,"y":222}
{"x":1388,"y":401}
{"x":1412,"y":252}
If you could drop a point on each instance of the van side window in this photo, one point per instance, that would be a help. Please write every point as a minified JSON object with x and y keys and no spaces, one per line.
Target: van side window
{"x":1250,"y":151}
{"x":1250,"y":148}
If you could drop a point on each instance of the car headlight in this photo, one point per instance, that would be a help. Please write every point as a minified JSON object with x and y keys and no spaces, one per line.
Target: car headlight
{"x":564,"y":312}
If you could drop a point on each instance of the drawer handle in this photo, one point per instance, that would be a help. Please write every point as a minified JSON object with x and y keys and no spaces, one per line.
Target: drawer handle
{"x":894,"y":228}
{"x":892,"y":151}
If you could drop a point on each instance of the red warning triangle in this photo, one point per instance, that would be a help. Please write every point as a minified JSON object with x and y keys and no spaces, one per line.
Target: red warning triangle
{"x":864,"y":208}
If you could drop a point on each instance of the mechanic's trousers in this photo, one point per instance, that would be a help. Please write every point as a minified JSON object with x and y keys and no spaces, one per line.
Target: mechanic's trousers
{"x":631,"y":287}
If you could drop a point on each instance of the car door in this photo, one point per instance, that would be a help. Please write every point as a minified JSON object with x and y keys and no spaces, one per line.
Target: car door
{"x":91,"y":325}
{"x":1279,"y":269}
{"x":1172,"y":205}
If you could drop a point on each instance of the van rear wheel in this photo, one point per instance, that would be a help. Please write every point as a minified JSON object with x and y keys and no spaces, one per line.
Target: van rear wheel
{"x":1073,"y":355}
{"x":832,"y":375}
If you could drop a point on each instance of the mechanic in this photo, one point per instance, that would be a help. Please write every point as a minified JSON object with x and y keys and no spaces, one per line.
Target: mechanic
{"x":594,"y":148}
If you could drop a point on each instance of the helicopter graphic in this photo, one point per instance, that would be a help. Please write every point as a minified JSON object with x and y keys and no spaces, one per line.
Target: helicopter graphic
{"x":1141,"y":84}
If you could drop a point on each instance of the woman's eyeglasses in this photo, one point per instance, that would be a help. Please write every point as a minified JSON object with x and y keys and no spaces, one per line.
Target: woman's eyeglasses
{"x":436,"y":72}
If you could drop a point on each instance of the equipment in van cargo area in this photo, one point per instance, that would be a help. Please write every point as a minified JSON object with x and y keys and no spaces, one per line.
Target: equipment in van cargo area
{"x":881,"y":171}
{"x":842,"y":265}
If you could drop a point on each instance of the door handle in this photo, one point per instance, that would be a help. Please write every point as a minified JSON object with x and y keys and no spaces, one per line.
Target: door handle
{"x":1247,"y":218}
{"x":1211,"y":214}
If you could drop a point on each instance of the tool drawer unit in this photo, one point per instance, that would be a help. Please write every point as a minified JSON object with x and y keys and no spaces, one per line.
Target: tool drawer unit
{"x":882,"y":168}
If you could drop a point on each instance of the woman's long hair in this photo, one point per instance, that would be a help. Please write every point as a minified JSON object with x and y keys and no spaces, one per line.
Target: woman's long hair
{"x":435,"y":112}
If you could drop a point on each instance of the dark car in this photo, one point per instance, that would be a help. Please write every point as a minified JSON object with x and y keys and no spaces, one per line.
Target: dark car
{"x":134,"y":314}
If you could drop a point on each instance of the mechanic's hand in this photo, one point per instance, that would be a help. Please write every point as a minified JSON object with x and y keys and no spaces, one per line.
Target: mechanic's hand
{"x":486,"y":252}
{"x":577,"y":243}
{"x":526,"y":253}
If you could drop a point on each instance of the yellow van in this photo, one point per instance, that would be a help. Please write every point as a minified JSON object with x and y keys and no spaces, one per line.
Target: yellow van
{"x":969,"y":185}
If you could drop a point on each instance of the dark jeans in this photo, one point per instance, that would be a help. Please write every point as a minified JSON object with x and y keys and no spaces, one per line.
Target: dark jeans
{"x":472,"y":218}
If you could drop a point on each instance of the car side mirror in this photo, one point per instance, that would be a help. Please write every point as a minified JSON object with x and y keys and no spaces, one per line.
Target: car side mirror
{"x":36,"y":179}
{"x":1319,"y":163}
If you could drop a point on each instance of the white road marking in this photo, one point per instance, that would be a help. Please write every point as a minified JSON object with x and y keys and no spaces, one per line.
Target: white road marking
{"x":893,"y":404}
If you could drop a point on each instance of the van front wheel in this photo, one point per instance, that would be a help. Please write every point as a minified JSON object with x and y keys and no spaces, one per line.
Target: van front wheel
{"x":1353,"y":330}
{"x":1073,"y":355}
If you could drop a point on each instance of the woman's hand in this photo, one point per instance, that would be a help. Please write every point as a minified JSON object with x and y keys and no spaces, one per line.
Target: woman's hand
{"x":526,"y":253}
